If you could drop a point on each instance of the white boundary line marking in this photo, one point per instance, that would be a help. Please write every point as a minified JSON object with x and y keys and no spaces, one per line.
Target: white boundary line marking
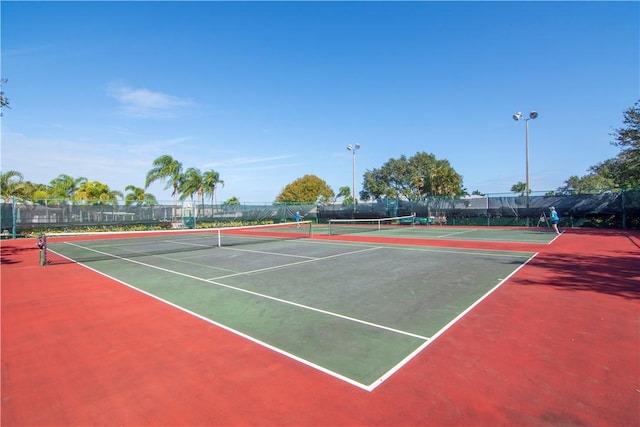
{"x":227,"y":328}
{"x":276,"y":267}
{"x":434,"y":234}
{"x":438,"y":249}
{"x":370,"y":387}
{"x":446,"y":327}
{"x":283,"y":352}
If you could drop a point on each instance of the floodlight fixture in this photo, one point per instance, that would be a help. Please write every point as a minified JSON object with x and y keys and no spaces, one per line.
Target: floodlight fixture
{"x":519,"y":116}
{"x":353,"y":149}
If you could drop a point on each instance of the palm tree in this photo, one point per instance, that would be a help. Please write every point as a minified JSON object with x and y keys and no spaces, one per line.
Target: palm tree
{"x":170,"y":170}
{"x":63,"y":189}
{"x":231,"y":203}
{"x":211,"y":180}
{"x":520,"y":188}
{"x":138,"y":197}
{"x":9,"y":183}
{"x":97,"y":193}
{"x":192,"y":182}
{"x":346,"y":193}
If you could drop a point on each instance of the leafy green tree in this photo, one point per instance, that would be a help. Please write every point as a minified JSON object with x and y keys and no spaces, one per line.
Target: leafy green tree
{"x":308,"y":189}
{"x":38,"y":193}
{"x":9,"y":184}
{"x":166,"y":168}
{"x":624,"y":170}
{"x":588,"y":184}
{"x":64,"y":187}
{"x":620,"y":171}
{"x":97,"y":193}
{"x":138,"y":196}
{"x":413,"y":178}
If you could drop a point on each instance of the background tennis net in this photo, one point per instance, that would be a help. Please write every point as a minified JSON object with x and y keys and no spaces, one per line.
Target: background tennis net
{"x":348,"y":226}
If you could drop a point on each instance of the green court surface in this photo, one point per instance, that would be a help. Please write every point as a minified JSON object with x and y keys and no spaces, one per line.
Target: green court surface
{"x":358,"y":312}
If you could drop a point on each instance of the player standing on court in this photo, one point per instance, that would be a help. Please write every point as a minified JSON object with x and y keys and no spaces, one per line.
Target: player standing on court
{"x":554,"y":219}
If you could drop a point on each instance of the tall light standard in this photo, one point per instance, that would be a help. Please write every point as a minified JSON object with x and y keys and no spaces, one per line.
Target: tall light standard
{"x":519,"y":116}
{"x":353,"y":149}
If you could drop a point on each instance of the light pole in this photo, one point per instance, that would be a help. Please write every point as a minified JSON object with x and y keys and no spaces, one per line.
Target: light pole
{"x":353,"y":149}
{"x":519,"y":116}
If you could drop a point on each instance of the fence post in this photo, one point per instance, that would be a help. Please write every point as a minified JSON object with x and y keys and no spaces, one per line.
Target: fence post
{"x":42,"y":245}
{"x":624,"y":214}
{"x":13,"y":217}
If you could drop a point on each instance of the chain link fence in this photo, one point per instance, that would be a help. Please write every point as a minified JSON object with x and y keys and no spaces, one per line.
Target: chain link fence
{"x":611,"y":209}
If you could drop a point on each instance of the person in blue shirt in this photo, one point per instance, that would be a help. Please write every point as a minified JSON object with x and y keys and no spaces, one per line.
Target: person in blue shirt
{"x":555,"y":219}
{"x":298,"y":217}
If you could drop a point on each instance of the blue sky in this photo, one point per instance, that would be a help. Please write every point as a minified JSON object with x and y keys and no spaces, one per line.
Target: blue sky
{"x":267,"y":92}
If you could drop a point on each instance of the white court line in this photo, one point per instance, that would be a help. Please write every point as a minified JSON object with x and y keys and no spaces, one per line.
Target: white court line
{"x":228,"y":248}
{"x":428,"y":235}
{"x":445,"y":328}
{"x":557,"y":235}
{"x":317,"y":310}
{"x":370,"y":387}
{"x":276,"y":267}
{"x":476,"y":252}
{"x":227,"y":328}
{"x":458,"y":232}
{"x":437,"y":249}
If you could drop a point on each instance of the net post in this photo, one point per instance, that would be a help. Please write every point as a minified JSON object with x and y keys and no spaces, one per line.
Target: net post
{"x":42,"y":245}
{"x":219,"y":238}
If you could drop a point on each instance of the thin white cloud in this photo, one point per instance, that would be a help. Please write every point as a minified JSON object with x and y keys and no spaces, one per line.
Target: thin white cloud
{"x":241,"y":162}
{"x":145,"y":103}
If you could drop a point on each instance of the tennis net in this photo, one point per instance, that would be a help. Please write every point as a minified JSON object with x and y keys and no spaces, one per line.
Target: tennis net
{"x":84,"y":247}
{"x":348,"y":226}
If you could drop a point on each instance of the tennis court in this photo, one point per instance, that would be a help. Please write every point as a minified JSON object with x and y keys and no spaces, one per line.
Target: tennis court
{"x":487,"y":234}
{"x":356,"y":311}
{"x":80,"y":348}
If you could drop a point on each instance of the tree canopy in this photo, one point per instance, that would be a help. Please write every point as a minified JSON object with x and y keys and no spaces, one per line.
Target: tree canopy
{"x":412,"y":178}
{"x":9,"y":183}
{"x":137,"y":196}
{"x":97,"y":193}
{"x":620,"y":171}
{"x":308,"y":189}
{"x":624,"y":170}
